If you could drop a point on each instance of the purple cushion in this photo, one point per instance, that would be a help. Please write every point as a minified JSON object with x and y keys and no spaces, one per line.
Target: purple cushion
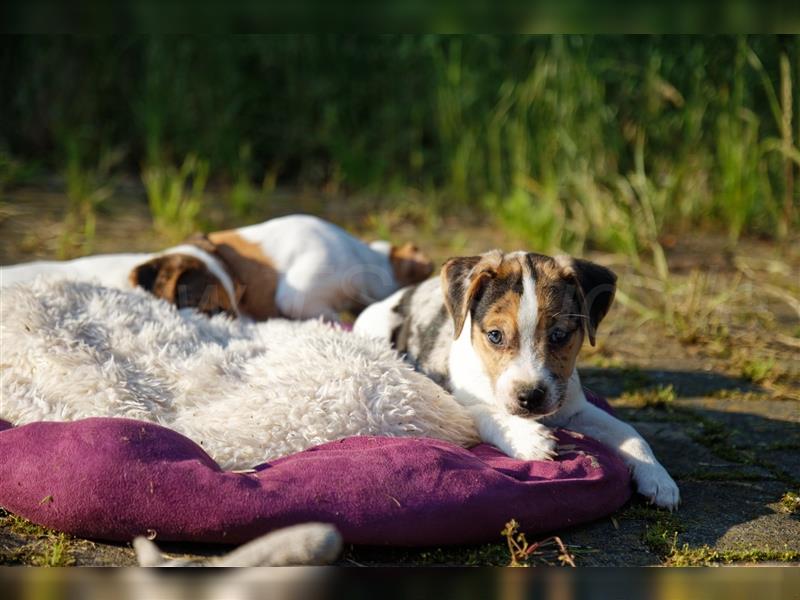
{"x":115,"y":479}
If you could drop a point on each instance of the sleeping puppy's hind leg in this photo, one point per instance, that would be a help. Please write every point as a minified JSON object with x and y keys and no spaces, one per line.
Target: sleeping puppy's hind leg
{"x":380,"y":319}
{"x":297,"y":298}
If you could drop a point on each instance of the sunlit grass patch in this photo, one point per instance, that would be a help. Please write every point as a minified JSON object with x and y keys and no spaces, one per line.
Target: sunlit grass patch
{"x":790,"y":502}
{"x":662,"y":396}
{"x":43,"y":547}
{"x":87,"y":188}
{"x":662,"y":537}
{"x":54,"y":553}
{"x":688,"y":556}
{"x":757,"y":369}
{"x":175,"y":196}
{"x":738,"y":394}
{"x":414,"y":211}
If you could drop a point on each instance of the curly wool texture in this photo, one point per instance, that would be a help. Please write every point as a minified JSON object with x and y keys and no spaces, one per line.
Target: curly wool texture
{"x":246,"y":392}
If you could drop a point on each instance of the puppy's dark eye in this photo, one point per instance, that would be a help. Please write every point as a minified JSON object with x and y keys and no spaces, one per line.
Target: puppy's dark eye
{"x":495,"y":336}
{"x":557,"y":336}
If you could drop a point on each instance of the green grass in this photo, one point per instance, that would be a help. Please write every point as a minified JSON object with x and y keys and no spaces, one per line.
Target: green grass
{"x":758,"y":370}
{"x":713,"y":435}
{"x":737,"y":394}
{"x":790,"y":502}
{"x":22,"y":526}
{"x":661,"y":535}
{"x":175,"y":196}
{"x":44,"y":547}
{"x":662,"y":396}
{"x":716,"y":437}
{"x":661,"y":527}
{"x":55,"y":553}
{"x":687,"y":556}
{"x":243,"y":197}
{"x":87,"y":188}
{"x":566,"y":142}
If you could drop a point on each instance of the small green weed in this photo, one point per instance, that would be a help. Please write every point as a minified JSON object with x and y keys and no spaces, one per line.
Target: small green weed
{"x":521,"y":552}
{"x":22,"y":526}
{"x":45,"y":548}
{"x":243,"y":196}
{"x":175,"y":196}
{"x":54,"y":553}
{"x":790,"y":502}
{"x":715,"y":436}
{"x":737,"y":394}
{"x":87,"y":189}
{"x":758,"y":370}
{"x":661,"y":527}
{"x":662,"y":533}
{"x":662,"y":396}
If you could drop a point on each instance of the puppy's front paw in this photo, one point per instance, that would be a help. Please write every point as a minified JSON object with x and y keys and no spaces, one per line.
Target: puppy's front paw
{"x":523,"y":439}
{"x":655,"y":483}
{"x":538,"y":445}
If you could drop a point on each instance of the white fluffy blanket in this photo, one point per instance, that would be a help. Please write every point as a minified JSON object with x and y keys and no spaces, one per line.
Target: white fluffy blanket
{"x":246,"y":392}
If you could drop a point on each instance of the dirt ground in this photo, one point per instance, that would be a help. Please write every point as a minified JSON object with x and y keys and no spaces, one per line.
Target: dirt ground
{"x":704,"y":363}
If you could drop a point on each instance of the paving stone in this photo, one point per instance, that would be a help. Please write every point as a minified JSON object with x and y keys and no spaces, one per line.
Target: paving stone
{"x":686,"y":381}
{"x":602,"y":544}
{"x":783,"y":414}
{"x":685,"y":458}
{"x":768,"y":429}
{"x":725,"y":515}
{"x":737,"y":515}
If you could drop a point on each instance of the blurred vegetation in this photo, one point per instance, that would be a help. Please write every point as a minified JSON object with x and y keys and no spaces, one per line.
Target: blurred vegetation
{"x":570,"y":142}
{"x":175,"y":196}
{"x":86,"y":189}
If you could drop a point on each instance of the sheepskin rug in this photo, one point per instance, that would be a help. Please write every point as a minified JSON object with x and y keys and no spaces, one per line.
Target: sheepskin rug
{"x":246,"y":392}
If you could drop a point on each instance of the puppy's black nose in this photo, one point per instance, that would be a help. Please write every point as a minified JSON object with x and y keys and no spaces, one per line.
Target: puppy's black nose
{"x":532,"y":399}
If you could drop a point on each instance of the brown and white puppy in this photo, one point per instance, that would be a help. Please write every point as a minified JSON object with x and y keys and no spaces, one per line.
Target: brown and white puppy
{"x":298,"y":267}
{"x":503,"y":332}
{"x":303,"y":267}
{"x":188,"y":277}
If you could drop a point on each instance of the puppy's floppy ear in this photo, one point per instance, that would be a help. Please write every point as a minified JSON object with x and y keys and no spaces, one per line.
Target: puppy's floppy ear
{"x":409,"y":264}
{"x":596,"y":288}
{"x":462,"y":278}
{"x":184,"y":281}
{"x":147,"y":274}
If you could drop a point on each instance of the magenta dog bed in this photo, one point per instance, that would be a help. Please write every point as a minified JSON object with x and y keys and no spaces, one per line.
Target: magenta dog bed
{"x":114,"y":479}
